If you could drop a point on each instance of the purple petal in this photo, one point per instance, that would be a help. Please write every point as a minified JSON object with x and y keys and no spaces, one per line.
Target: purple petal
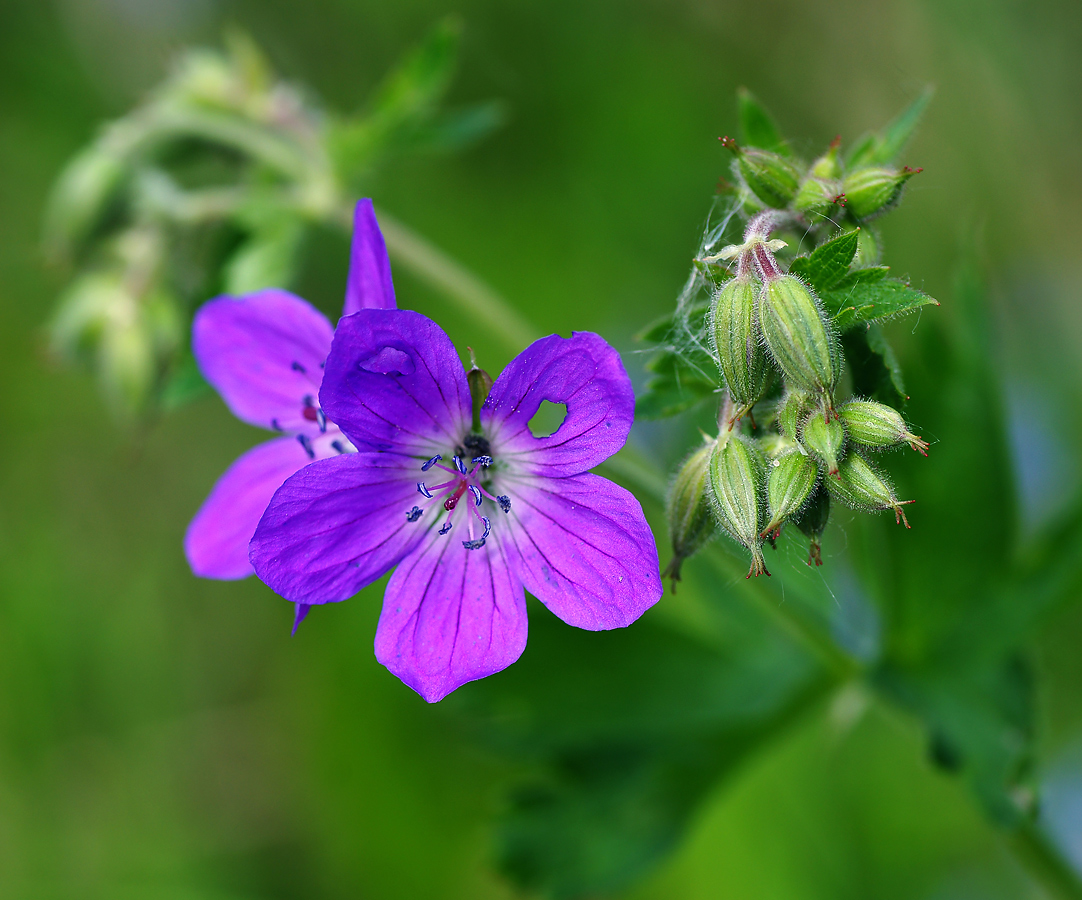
{"x":586,"y":375}
{"x":394,"y":382}
{"x":369,"y":285}
{"x":583,"y":548}
{"x":263,"y":353}
{"x":451,"y":615}
{"x":336,"y":526}
{"x":299,"y":615}
{"x":216,"y":543}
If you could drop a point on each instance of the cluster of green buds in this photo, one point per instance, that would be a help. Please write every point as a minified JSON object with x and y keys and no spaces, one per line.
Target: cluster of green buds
{"x":796,"y":428}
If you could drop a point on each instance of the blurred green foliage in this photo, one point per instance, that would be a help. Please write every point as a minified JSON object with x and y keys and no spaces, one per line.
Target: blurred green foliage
{"x":162,"y":736}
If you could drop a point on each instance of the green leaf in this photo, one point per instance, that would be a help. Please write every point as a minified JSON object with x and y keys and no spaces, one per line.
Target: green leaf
{"x":883,"y":146}
{"x":871,"y":298}
{"x":875,"y":369}
{"x":456,"y":130}
{"x":828,"y":263}
{"x":757,"y":126}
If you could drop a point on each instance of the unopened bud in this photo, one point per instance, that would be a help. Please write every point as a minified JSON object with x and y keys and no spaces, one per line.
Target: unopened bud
{"x":812,"y":521}
{"x":817,"y":196}
{"x":874,"y":189}
{"x":735,"y":479}
{"x":826,"y":166}
{"x":691,"y":521}
{"x":797,"y":336}
{"x":860,"y":486}
{"x":877,"y":425}
{"x":480,"y":383}
{"x":824,"y":437}
{"x":740,"y":355}
{"x":794,"y":409}
{"x":789,"y":483}
{"x":772,"y":178}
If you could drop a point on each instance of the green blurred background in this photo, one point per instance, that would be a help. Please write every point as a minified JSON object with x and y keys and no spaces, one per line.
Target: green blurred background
{"x":162,"y":736}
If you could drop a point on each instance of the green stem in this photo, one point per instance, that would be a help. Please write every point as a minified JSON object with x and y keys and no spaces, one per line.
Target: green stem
{"x":1044,"y":861}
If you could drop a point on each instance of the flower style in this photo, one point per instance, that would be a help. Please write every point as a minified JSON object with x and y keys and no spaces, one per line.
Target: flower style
{"x":461,"y":496}
{"x":264,"y":354}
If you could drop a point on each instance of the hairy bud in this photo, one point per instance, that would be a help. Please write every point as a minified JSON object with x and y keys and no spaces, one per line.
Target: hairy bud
{"x":794,"y":409}
{"x":772,"y":178}
{"x":877,"y":425}
{"x":789,"y":483}
{"x":817,"y":196}
{"x":875,"y":189}
{"x":824,"y":437}
{"x":860,"y":486}
{"x":691,"y":521}
{"x":797,"y":336}
{"x":735,"y":476}
{"x":735,"y":333}
{"x":812,"y":521}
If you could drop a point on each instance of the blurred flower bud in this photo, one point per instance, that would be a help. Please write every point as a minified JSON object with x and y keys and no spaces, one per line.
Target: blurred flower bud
{"x":824,"y":437}
{"x":794,"y":409}
{"x":812,"y":521}
{"x":790,"y":481}
{"x":796,"y":334}
{"x":877,"y":425}
{"x":736,"y":340}
{"x":691,"y":521}
{"x":860,"y":486}
{"x":736,"y":474}
{"x":85,"y":191}
{"x":772,"y":178}
{"x":873,"y":190}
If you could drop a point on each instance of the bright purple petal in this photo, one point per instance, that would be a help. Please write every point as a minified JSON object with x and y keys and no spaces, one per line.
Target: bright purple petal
{"x":216,"y":543}
{"x":299,"y":615}
{"x":263,"y":353}
{"x":586,"y":375}
{"x":369,"y":285}
{"x":451,"y":615}
{"x":336,"y":526}
{"x":583,"y":548}
{"x":394,"y":382}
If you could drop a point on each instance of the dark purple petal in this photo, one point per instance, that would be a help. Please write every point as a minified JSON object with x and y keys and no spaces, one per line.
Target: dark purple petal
{"x":451,"y":615}
{"x":369,"y":285}
{"x":394,"y":382}
{"x":216,"y":543}
{"x":337,"y":525}
{"x":586,"y":375}
{"x":583,"y":548}
{"x":263,"y":353}
{"x":299,"y":615}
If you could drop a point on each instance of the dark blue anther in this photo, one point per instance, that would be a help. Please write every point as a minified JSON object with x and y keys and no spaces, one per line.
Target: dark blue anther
{"x":423,"y":490}
{"x":308,"y":401}
{"x":505,"y":502}
{"x":428,"y":465}
{"x":476,"y":491}
{"x":459,"y":464}
{"x":414,"y":514}
{"x":275,"y":425}
{"x":446,"y":527}
{"x":339,"y":446}
{"x":485,"y":461}
{"x":297,"y":367}
{"x":480,"y":542}
{"x":321,"y":417}
{"x":307,"y":444}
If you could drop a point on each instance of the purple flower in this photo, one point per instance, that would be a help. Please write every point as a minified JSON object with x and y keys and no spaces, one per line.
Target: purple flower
{"x":471,"y":511}
{"x":264,"y":353}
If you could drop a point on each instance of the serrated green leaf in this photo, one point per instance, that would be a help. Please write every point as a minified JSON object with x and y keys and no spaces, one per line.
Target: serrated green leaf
{"x":875,"y":369}
{"x":862,"y":276}
{"x":828,"y":263}
{"x":757,"y":126}
{"x":883,"y":146}
{"x":872,"y":300}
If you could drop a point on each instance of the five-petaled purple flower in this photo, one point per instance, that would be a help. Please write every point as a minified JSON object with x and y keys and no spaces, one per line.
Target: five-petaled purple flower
{"x":471,"y":509}
{"x":264,"y":353}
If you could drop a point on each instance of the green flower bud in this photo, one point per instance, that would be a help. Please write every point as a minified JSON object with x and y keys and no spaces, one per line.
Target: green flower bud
{"x":860,"y":486}
{"x":736,"y":472}
{"x":794,"y":409}
{"x":772,"y":178}
{"x":824,"y":437}
{"x":812,"y":521}
{"x":874,"y":189}
{"x":789,"y":483}
{"x":817,"y":196}
{"x":826,"y":166}
{"x":691,"y":521}
{"x":797,"y":336}
{"x":877,"y":425}
{"x":735,"y":334}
